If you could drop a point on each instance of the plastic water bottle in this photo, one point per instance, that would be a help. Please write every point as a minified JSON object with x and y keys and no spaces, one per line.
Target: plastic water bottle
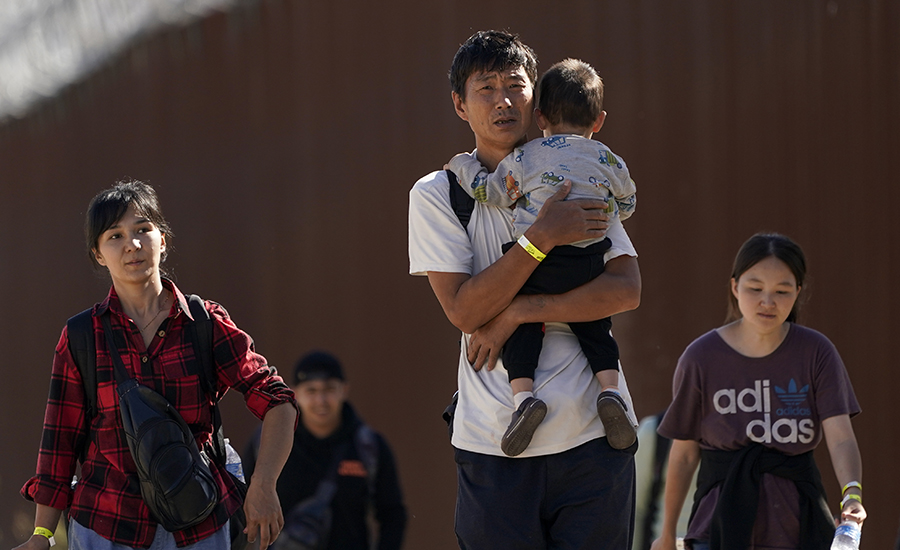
{"x":846,"y":536}
{"x":233,"y":461}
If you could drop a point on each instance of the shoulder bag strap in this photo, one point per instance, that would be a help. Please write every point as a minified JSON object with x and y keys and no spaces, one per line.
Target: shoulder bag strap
{"x":367,"y":448}
{"x":462,"y":203}
{"x":327,"y":487}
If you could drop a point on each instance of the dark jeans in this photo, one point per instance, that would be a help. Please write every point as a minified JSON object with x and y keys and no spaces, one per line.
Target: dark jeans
{"x":580,"y":499}
{"x":564,"y":268}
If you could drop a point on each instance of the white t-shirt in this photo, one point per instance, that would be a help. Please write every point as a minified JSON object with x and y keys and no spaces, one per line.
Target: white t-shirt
{"x":563,"y":380}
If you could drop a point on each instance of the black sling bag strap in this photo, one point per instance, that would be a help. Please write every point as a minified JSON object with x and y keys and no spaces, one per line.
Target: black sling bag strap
{"x":175,"y":479}
{"x":80,"y":330}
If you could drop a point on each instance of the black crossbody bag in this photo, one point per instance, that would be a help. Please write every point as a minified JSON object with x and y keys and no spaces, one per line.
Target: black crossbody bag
{"x":308,"y":525}
{"x":175,"y":478}
{"x":81,"y":345}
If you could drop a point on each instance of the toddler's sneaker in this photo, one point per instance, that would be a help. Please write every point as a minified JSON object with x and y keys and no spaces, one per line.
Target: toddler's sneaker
{"x":525,"y":421}
{"x":611,"y":408}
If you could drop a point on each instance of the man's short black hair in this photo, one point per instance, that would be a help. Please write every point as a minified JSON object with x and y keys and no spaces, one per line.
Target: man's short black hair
{"x":489,"y":51}
{"x":317,"y":365}
{"x":571,"y":92}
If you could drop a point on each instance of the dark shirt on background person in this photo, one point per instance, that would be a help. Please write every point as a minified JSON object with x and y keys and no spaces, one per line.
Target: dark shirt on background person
{"x":329,"y":425}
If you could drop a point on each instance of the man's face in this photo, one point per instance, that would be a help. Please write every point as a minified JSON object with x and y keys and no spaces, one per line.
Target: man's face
{"x":321,"y":403}
{"x":498,"y":107}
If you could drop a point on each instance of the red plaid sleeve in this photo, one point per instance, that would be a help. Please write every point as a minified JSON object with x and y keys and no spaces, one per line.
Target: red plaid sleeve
{"x":64,"y":432}
{"x":241,"y":368}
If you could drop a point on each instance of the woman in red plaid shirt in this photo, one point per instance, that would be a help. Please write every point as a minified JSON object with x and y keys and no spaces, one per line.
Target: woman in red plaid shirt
{"x":127,"y":234}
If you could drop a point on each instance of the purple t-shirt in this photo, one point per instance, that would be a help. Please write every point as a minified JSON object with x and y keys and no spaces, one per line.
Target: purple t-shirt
{"x":725,"y":401}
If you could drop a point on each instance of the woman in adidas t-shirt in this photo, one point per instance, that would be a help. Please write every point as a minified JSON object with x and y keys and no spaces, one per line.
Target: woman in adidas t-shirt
{"x":751,"y":400}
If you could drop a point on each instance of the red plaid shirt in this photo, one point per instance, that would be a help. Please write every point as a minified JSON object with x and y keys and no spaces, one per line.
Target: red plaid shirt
{"x":107,"y":498}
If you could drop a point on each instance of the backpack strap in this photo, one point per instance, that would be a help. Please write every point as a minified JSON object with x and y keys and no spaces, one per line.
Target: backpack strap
{"x":82,"y":347}
{"x":201,"y":335}
{"x":462,"y":203}
{"x":367,"y":449}
{"x":80,"y":331}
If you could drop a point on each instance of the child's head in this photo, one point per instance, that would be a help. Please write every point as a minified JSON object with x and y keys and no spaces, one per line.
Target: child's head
{"x":570,"y":94}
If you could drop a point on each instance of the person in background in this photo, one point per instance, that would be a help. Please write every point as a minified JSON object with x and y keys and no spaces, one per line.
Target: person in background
{"x":332,"y":442}
{"x":650,"y":464}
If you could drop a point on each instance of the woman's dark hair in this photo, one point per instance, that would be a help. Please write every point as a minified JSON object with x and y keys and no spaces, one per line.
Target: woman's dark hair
{"x":108,"y":207}
{"x":758,"y":248}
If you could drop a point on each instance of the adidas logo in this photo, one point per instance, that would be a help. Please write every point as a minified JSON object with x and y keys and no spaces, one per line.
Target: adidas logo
{"x":792,"y":397}
{"x":757,"y":399}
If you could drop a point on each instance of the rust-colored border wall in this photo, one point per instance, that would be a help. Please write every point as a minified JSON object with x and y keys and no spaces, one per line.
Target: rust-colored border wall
{"x":284,"y":137}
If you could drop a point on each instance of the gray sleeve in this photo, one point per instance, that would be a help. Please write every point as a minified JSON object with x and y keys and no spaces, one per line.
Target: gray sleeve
{"x":497,"y":188}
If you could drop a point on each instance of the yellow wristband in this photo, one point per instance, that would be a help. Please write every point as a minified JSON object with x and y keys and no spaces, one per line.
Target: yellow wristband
{"x":848,"y":498}
{"x":531,"y":249}
{"x":856,"y":484}
{"x":44,"y":532}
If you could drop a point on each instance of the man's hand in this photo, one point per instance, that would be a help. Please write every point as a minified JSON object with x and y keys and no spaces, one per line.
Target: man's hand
{"x":487,"y":342}
{"x":564,"y":222}
{"x":264,"y":517}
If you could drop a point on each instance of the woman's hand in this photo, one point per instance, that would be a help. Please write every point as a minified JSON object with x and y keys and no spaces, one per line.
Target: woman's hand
{"x":486,"y":343}
{"x":847,"y":463}
{"x":853,"y":510}
{"x":664,"y":542}
{"x":264,"y":516}
{"x":36,"y":542}
{"x":46,"y":517}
